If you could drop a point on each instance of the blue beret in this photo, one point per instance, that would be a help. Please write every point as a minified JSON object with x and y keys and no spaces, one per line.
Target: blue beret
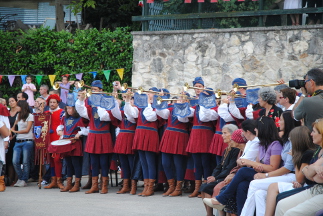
{"x":239,"y":81}
{"x":198,"y":80}
{"x":70,"y":100}
{"x":97,"y":83}
{"x":154,"y":89}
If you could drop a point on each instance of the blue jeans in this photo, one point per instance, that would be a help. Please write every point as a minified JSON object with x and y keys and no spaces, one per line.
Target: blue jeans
{"x":24,"y":149}
{"x":238,"y":188}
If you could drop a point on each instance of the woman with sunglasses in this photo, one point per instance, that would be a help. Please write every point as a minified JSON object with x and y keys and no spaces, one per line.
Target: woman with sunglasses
{"x":269,"y":159}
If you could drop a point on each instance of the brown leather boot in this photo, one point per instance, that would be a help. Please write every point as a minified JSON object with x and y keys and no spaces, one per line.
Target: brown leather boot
{"x":53,"y":183}
{"x":125,"y":187}
{"x":60,"y":183}
{"x":171,"y":188}
{"x":68,"y":185}
{"x":88,"y":185}
{"x":94,"y":188}
{"x":145,"y":187}
{"x":133,"y":187}
{"x":178,"y":189}
{"x":76,"y":186}
{"x":104,"y":183}
{"x":150,"y":189}
{"x":197,"y":188}
{"x":2,"y":184}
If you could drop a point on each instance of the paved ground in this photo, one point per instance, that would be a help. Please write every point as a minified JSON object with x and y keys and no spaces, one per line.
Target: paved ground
{"x":30,"y":201}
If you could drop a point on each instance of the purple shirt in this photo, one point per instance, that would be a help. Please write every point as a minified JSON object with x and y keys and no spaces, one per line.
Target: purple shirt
{"x":275,"y":148}
{"x":64,"y":92}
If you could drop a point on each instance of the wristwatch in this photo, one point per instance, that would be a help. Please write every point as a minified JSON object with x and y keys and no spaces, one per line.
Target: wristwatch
{"x":267,"y":175}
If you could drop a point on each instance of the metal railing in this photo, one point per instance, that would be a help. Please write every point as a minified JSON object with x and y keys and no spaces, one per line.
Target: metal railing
{"x":156,"y":22}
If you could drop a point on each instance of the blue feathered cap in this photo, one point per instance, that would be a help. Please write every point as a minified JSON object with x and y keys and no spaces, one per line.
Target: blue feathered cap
{"x":97,"y":83}
{"x":239,"y":81}
{"x":166,"y":91}
{"x":70,"y":100}
{"x":154,"y":89}
{"x":198,"y":80}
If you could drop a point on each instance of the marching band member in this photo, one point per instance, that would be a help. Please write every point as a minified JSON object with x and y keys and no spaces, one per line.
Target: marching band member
{"x":99,"y":142}
{"x":173,"y":147}
{"x":123,"y":148}
{"x":71,"y":127}
{"x":55,"y":159}
{"x":146,"y":141}
{"x":199,"y":142}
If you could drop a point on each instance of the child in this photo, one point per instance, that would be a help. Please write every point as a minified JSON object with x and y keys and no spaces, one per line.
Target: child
{"x":29,"y":89}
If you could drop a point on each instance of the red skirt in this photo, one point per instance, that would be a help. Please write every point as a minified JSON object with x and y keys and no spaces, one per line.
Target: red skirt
{"x":98,"y":143}
{"x":217,"y":145}
{"x":200,"y":141}
{"x":124,"y":143}
{"x":146,"y":140}
{"x":174,"y":142}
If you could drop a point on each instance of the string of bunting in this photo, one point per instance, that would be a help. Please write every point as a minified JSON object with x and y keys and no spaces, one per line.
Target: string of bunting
{"x":141,"y":3}
{"x":79,"y":76}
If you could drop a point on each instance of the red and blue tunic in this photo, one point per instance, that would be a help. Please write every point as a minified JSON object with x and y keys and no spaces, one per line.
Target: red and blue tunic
{"x":125,"y":137}
{"x":71,"y":128}
{"x":176,"y":135}
{"x":99,"y":139}
{"x":201,"y":134}
{"x":146,"y":136}
{"x":55,"y":122}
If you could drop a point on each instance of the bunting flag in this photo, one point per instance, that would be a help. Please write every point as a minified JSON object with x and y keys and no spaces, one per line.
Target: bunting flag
{"x":120,"y":72}
{"x":23,"y":79}
{"x":0,"y":79}
{"x":188,"y":1}
{"x":11,"y":79}
{"x":38,"y":79}
{"x":214,"y":1}
{"x":107,"y":74}
{"x":94,"y":73}
{"x":52,"y":79}
{"x":79,"y":76}
{"x":150,"y":1}
{"x":200,"y":1}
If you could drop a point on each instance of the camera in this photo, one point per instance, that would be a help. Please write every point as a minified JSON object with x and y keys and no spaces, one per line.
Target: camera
{"x":297,"y":83}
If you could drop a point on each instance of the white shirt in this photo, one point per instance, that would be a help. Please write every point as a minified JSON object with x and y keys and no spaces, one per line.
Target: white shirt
{"x":251,"y":150}
{"x":22,"y":125}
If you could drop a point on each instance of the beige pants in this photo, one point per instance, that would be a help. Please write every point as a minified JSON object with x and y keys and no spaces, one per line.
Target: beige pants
{"x":307,"y":202}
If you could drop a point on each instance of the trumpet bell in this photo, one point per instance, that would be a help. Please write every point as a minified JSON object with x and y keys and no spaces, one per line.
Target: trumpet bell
{"x":56,"y":86}
{"x":88,"y":92}
{"x":124,"y":86}
{"x":81,"y":83}
{"x":186,"y":86}
{"x":140,"y":90}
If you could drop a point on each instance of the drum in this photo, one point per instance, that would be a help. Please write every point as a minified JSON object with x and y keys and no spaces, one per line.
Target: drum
{"x":62,"y":146}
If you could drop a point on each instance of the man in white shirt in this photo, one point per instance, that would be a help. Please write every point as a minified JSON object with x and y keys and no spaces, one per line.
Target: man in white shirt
{"x":287,"y":98}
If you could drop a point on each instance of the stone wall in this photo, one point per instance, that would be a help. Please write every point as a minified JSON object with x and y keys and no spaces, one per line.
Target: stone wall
{"x":260,"y":55}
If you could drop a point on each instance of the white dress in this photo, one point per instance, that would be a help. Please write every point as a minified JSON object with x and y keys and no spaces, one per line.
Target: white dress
{"x":292,"y":4}
{"x":2,"y":149}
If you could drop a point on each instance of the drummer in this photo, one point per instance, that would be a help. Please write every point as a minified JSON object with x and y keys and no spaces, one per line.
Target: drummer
{"x":71,"y":127}
{"x":99,"y":142}
{"x":55,"y":159}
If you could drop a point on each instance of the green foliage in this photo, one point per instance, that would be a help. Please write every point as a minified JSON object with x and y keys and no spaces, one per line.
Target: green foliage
{"x":42,"y":51}
{"x":76,"y":6}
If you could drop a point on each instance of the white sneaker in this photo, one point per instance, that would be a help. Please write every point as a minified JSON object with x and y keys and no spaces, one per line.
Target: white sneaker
{"x":22,"y":183}
{"x":17,"y":183}
{"x":44,"y":182}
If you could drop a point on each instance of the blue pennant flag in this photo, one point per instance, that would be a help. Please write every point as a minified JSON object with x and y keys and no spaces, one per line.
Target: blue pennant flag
{"x":252,"y":95}
{"x":70,"y":100}
{"x":181,"y":109}
{"x":141,"y":100}
{"x":207,"y":101}
{"x":162,"y":105}
{"x":23,"y":79}
{"x":95,"y":100}
{"x":107,"y":102}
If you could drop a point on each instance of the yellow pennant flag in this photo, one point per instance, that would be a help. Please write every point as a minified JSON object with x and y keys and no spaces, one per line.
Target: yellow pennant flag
{"x":120,"y":72}
{"x":52,"y":79}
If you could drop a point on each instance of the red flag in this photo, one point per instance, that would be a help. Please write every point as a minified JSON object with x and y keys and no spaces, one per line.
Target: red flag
{"x":150,"y":1}
{"x":214,"y":1}
{"x":0,"y":78}
{"x":188,"y":1}
{"x":200,"y":0}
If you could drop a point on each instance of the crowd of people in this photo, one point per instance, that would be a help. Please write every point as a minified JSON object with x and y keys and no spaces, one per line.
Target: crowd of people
{"x":264,"y":158}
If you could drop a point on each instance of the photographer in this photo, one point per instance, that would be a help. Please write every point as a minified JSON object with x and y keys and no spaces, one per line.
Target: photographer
{"x":310,"y":108}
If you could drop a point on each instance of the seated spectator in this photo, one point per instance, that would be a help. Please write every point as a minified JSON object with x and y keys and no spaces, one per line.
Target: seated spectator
{"x":233,"y":138}
{"x":269,"y":159}
{"x":287,"y":98}
{"x":309,"y":201}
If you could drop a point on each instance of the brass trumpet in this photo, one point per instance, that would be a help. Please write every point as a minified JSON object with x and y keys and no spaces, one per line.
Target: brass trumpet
{"x":82,"y":84}
{"x":89,"y":93}
{"x":236,"y":86}
{"x":219,"y":93}
{"x":187,"y":86}
{"x":160,"y":100}
{"x":56,"y":86}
